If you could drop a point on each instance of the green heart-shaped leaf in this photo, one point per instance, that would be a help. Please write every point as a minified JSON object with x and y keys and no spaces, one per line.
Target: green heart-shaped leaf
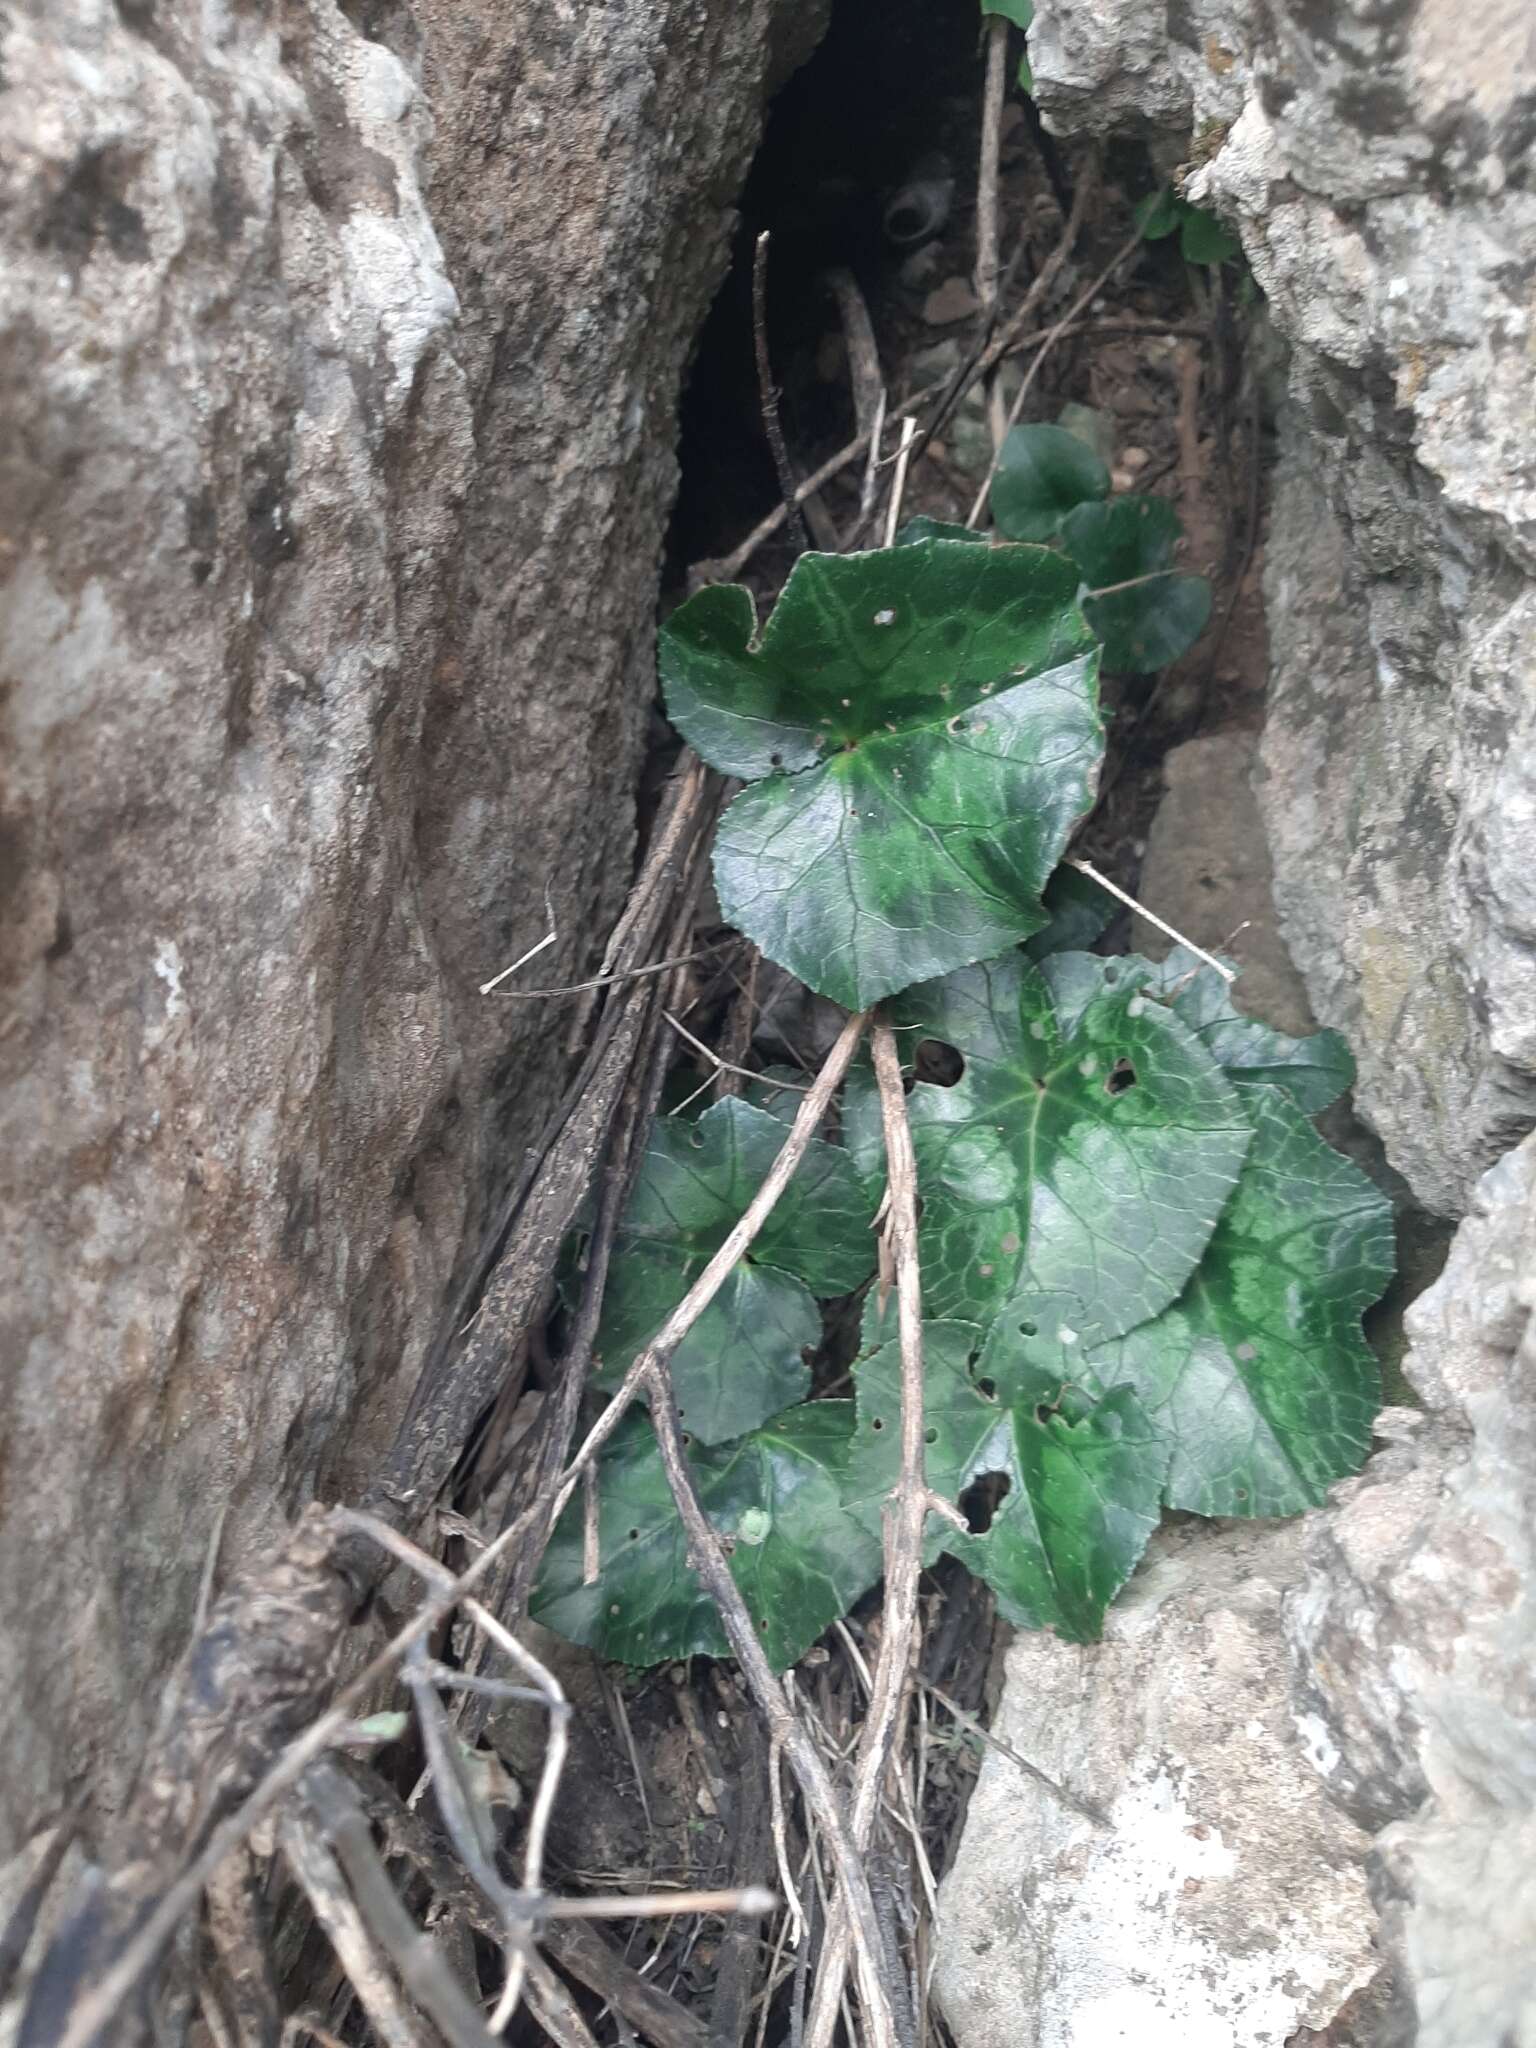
{"x":1079,"y":1480}
{"x":1259,"y":1375}
{"x":1043,"y":473}
{"x":800,"y":1557}
{"x":1086,"y":1150}
{"x":1312,"y":1071}
{"x":927,"y":721}
{"x":1145,"y":612}
{"x":742,"y":1360}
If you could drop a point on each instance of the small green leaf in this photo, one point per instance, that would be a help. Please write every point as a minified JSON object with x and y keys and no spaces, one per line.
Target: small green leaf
{"x":1312,"y":1071}
{"x":1020,"y":12}
{"x":947,"y":697}
{"x":1086,"y":1150}
{"x":1043,"y":473}
{"x":1145,"y":613}
{"x":800,"y":1557}
{"x":1159,"y":214}
{"x":1203,"y":239}
{"x":386,"y":1727}
{"x":1259,"y":1376}
{"x":1080,"y":1481}
{"x":743,"y":1358}
{"x":1026,"y":74}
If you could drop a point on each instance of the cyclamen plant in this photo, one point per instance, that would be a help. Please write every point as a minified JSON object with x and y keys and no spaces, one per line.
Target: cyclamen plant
{"x":1143,"y":1270}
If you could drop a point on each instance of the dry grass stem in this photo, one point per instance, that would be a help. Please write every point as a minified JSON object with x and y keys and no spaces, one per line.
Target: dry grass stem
{"x":905,"y":1515}
{"x":1086,"y":867}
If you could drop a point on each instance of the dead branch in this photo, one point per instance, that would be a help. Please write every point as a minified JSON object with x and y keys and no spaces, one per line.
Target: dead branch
{"x":905,"y":1516}
{"x":768,"y":397}
{"x":319,"y":1877}
{"x":986,"y":182}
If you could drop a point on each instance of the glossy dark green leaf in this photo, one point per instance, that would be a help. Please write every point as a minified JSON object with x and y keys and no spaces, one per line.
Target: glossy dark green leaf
{"x":800,"y":1557}
{"x":923,"y":527}
{"x":1086,"y":1150}
{"x":1043,"y":473}
{"x":1259,"y":1376}
{"x":1203,"y":239}
{"x":1073,"y":1484}
{"x":1312,"y":1071}
{"x":947,"y":697}
{"x":742,"y":1360}
{"x":1145,"y":613}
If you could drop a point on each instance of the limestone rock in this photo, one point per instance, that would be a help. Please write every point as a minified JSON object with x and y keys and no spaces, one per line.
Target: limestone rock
{"x":1225,"y":1905}
{"x":1207,"y":872}
{"x":1377,"y":163}
{"x":1414,"y":1639}
{"x":340,"y":349}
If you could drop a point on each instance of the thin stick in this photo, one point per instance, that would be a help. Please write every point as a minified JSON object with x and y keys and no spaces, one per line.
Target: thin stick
{"x":532,"y":953}
{"x":320,"y":1879}
{"x":1086,"y":867}
{"x":986,"y":181}
{"x":899,"y":481}
{"x":731,"y":565}
{"x":905,"y":1513}
{"x":422,"y":1966}
{"x":577,"y":988}
{"x":795,"y":1910}
{"x":1075,"y":1800}
{"x":729,"y":1066}
{"x":1083,"y":300}
{"x":747,"y":1903}
{"x":769,"y":397}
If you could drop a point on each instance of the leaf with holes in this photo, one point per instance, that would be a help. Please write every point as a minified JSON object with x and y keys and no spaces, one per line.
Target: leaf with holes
{"x":1312,"y":1071}
{"x":1043,"y":473}
{"x":920,"y":727}
{"x":742,"y":1360}
{"x":1259,"y":1375}
{"x":800,"y":1557}
{"x":1062,"y":1490}
{"x":1145,"y":612}
{"x":1086,"y":1149}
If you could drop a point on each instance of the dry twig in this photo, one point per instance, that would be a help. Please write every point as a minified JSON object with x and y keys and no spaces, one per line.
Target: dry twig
{"x":768,"y":396}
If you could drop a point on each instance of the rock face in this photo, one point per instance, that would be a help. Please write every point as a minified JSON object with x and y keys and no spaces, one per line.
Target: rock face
{"x":1414,"y":1642}
{"x":1377,"y":161}
{"x":340,"y":348}
{"x":1225,"y":1904}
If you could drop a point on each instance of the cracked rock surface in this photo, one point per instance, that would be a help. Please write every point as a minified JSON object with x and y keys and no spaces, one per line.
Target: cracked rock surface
{"x":339,"y":360}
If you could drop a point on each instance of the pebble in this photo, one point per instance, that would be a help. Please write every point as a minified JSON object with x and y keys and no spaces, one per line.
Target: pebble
{"x":954,"y":300}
